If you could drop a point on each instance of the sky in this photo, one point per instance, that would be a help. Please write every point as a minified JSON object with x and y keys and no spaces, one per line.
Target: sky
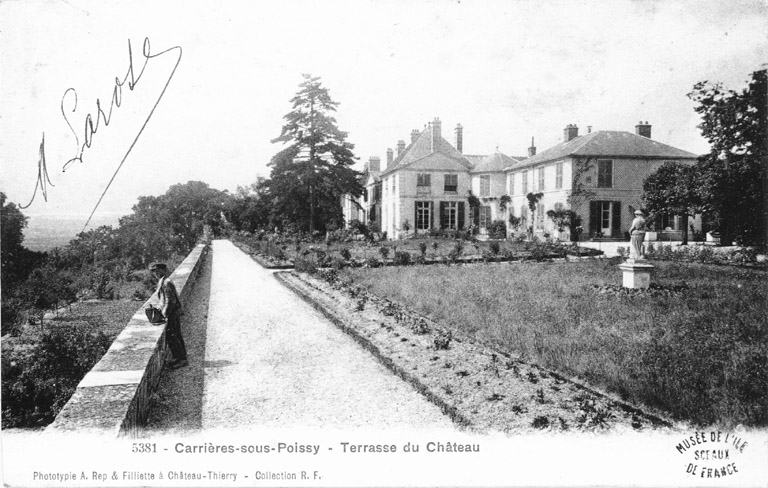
{"x":507,"y":71}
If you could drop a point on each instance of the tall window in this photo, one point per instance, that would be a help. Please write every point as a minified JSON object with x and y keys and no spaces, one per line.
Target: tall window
{"x":451,"y":183}
{"x":485,"y":216}
{"x":558,"y":176}
{"x":541,"y":179}
{"x":423,"y":180}
{"x":604,"y":173}
{"x":540,"y":212}
{"x":485,"y":185}
{"x":511,"y":183}
{"x":450,"y":210}
{"x":605,"y":217}
{"x":423,"y":215}
{"x":525,"y":182}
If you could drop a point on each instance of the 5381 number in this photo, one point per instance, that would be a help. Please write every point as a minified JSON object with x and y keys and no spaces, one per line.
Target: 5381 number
{"x":141,"y":447}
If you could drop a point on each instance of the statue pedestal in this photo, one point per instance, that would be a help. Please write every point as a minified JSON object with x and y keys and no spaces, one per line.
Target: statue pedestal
{"x":637,"y":273}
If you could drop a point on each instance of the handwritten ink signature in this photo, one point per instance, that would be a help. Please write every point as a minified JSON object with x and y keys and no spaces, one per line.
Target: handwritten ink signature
{"x":43,"y":180}
{"x":91,"y":127}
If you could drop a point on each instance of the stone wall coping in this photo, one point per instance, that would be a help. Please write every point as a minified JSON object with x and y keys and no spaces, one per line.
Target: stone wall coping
{"x":114,"y":397}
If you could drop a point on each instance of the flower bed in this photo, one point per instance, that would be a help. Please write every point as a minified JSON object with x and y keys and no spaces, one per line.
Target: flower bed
{"x":477,"y":385}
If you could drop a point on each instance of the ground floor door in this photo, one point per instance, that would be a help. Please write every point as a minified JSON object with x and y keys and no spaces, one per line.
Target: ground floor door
{"x":605,"y":219}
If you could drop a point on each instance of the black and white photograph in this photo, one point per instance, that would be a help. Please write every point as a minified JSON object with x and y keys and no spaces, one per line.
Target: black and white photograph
{"x":384,"y":243}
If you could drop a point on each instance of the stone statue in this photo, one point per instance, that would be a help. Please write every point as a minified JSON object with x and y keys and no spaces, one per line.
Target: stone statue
{"x":637,"y":236}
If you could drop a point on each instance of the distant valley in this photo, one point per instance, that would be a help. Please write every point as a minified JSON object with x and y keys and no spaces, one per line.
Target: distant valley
{"x":44,"y":232}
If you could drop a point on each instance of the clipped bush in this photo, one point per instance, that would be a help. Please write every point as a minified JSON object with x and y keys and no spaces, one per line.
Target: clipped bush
{"x":384,"y":251}
{"x":494,"y":247}
{"x":402,"y":258}
{"x":497,"y":229}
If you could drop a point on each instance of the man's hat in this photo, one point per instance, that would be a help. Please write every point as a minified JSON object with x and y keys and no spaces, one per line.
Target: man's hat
{"x":157,"y":266}
{"x":638,"y":212}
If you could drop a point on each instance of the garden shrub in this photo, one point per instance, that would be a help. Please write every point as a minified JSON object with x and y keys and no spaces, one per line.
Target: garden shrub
{"x":346,"y":254}
{"x":494,"y":247}
{"x":402,"y":258}
{"x":384,"y":251}
{"x":497,"y":229}
{"x":456,"y":252}
{"x":304,"y":265}
{"x":423,"y":248}
{"x":40,"y":378}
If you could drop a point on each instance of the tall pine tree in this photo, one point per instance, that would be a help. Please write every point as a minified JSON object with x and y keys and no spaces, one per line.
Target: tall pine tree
{"x":311,"y":174}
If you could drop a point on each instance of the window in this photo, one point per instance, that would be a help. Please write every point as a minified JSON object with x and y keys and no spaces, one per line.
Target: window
{"x":604,"y":173}
{"x":558,"y":176}
{"x":668,"y":221}
{"x":450,"y":209}
{"x":511,"y":183}
{"x":485,"y":217}
{"x":485,"y":186}
{"x":377,"y":193}
{"x":451,"y":183}
{"x":540,"y":212}
{"x":541,"y":179}
{"x":525,"y":182}
{"x":423,"y":215}
{"x":423,"y":179}
{"x":605,"y":217}
{"x":394,"y":185}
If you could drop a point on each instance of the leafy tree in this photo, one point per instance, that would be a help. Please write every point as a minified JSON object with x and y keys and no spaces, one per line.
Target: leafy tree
{"x":674,"y":190}
{"x":311,"y":174}
{"x":731,"y":177}
{"x":249,"y":209}
{"x":12,"y":224}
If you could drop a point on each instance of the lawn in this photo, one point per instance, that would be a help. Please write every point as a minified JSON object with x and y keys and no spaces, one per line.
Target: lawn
{"x":696,"y":349}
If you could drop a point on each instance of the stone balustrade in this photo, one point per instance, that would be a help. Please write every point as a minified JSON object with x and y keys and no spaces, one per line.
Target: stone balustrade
{"x":114,"y":397}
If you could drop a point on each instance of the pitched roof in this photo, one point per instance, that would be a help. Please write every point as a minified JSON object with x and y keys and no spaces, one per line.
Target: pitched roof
{"x":495,"y":162}
{"x":422,"y":147}
{"x":608,"y":143}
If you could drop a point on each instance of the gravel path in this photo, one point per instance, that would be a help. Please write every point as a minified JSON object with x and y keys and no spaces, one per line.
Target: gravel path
{"x":272,"y":361}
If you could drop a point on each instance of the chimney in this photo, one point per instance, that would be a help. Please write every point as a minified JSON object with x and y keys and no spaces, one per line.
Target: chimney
{"x":532,"y":149}
{"x":400,"y":147}
{"x":459,"y":138}
{"x":414,"y":135}
{"x":435,"y":127}
{"x":389,"y":157}
{"x":571,"y":132}
{"x":374,"y":164}
{"x":589,"y":129}
{"x":643,"y":129}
